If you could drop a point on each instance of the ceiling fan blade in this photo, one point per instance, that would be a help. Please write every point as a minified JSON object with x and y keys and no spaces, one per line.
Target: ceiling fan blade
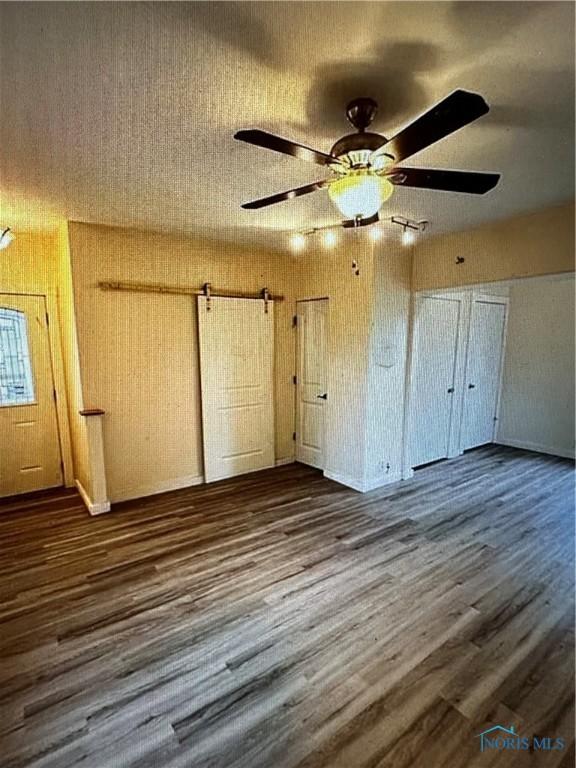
{"x":286,"y":147}
{"x":264,"y":201}
{"x":448,"y":181}
{"x":454,"y":112}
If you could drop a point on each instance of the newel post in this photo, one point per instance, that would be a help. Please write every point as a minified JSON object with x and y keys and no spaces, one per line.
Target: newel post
{"x":97,"y":502}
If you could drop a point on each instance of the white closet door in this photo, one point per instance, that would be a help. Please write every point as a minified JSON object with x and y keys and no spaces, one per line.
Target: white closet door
{"x":236,"y":363}
{"x":433,"y":372}
{"x":311,"y":392}
{"x":483,"y":367}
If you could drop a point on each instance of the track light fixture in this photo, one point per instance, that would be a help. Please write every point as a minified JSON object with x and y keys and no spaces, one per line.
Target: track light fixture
{"x":410,"y":228}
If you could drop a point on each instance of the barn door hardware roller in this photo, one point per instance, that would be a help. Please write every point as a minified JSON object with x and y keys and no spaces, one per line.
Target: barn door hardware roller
{"x":266,"y":297}
{"x":206,"y":289}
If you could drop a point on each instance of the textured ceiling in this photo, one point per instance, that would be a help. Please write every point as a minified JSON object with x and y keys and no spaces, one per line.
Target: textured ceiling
{"x":124,"y":113}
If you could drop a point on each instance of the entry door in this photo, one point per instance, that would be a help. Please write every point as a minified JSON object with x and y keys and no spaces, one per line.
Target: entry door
{"x":311,"y":392}
{"x":483,"y":366}
{"x":29,"y":441}
{"x":237,"y":368}
{"x":434,"y":366}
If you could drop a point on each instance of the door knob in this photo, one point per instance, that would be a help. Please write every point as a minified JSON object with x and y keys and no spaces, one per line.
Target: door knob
{"x":471,"y":386}
{"x":450,"y":390}
{"x":324,"y":396}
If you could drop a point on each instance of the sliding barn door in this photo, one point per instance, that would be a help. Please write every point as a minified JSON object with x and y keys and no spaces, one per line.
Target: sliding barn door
{"x":483,"y":368}
{"x":236,"y":364}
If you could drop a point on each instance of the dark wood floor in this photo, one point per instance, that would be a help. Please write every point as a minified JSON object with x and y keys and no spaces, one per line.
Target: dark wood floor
{"x":282,"y":621}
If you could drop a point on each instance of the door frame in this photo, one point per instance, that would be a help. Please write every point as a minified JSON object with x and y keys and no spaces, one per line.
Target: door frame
{"x":326,"y":406}
{"x":58,"y":377}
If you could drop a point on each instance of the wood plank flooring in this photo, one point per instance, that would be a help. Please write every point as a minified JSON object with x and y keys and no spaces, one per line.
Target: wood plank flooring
{"x":280,"y":620}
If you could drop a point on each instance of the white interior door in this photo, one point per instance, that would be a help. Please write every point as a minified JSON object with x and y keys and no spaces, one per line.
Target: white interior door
{"x":311,"y":392}
{"x":483,"y":369}
{"x":237,"y":381}
{"x":433,"y":378}
{"x":29,"y":442}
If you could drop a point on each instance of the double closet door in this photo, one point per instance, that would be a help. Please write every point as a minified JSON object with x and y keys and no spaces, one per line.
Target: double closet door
{"x":457,"y":347}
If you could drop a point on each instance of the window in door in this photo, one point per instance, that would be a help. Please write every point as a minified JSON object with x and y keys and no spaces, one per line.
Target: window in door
{"x":16,"y":382}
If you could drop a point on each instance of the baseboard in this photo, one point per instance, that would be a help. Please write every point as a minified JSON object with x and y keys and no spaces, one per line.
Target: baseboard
{"x":349,"y":482}
{"x":363,"y":486}
{"x":525,"y":445}
{"x":281,"y":462}
{"x":92,"y":507}
{"x":379,"y":482}
{"x":165,"y":486}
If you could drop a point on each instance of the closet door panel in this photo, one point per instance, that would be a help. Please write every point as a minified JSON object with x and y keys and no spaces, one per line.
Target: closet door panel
{"x":483,"y":371}
{"x":434,"y":365}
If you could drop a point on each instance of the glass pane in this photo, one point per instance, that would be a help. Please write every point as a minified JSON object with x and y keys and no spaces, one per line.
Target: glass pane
{"x":16,"y":384}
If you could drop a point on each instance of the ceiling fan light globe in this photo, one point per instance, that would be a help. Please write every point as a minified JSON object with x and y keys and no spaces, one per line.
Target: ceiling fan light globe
{"x":359,"y":195}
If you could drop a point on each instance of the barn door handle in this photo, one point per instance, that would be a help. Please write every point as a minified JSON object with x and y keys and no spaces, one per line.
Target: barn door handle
{"x":450,"y":390}
{"x":471,"y":386}
{"x":324,"y":396}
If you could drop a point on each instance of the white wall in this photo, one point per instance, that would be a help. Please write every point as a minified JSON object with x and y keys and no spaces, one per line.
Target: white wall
{"x":367,"y":350}
{"x":330,"y":274}
{"x":388,"y":346}
{"x":537,"y":406}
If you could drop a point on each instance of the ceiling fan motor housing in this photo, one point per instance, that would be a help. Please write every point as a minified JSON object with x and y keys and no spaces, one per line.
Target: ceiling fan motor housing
{"x":355,"y":141}
{"x":361,"y":112}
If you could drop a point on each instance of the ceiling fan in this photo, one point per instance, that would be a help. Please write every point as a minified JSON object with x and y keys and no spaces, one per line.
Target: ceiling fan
{"x":364,"y":165}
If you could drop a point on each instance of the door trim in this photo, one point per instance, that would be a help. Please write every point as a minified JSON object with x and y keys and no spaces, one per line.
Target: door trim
{"x":58,"y":378}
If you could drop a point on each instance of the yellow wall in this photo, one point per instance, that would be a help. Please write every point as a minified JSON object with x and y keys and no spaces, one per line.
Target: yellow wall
{"x":533,"y":244}
{"x":78,"y":432}
{"x":136,"y":354}
{"x":30,"y":263}
{"x":139,"y":351}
